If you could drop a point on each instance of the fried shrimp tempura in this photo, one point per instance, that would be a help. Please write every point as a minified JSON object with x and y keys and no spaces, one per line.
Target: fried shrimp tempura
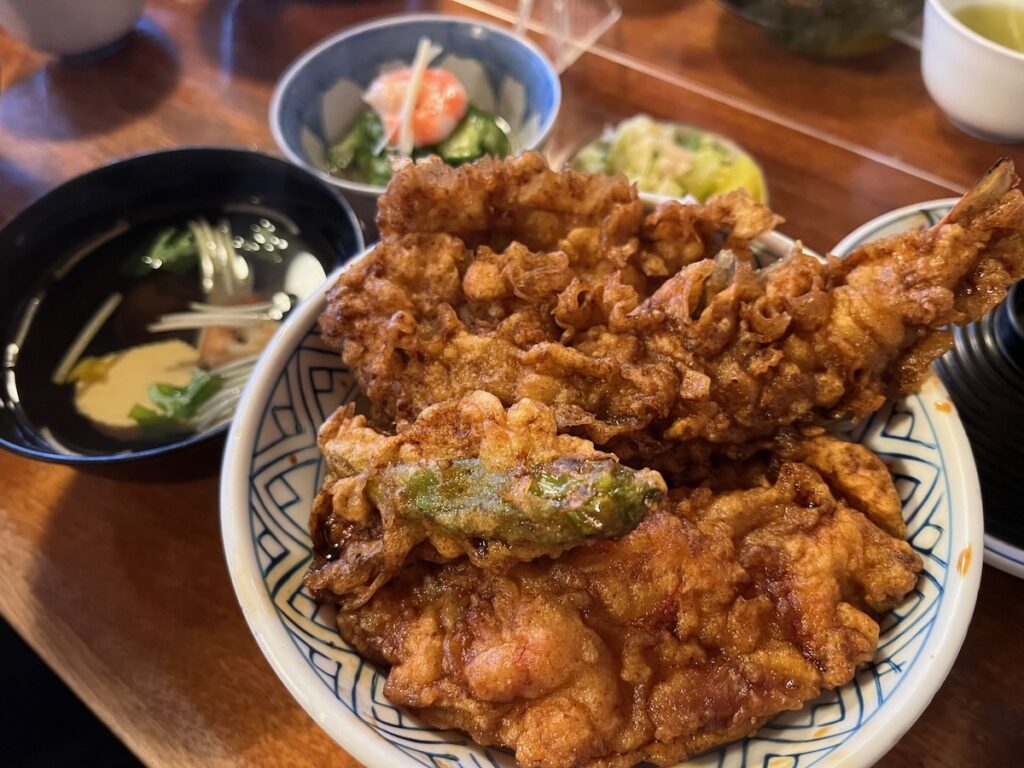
{"x":651,"y":334}
{"x":467,"y":478}
{"x":717,"y":612}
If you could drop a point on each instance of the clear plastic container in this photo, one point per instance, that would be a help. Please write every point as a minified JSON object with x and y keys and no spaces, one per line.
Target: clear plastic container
{"x":564,"y":29}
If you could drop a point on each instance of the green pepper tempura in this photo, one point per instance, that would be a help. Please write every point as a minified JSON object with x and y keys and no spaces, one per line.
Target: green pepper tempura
{"x":468,"y":478}
{"x":561,"y":503}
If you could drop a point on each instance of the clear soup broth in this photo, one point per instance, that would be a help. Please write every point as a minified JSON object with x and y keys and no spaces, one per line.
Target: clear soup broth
{"x":149,"y":334}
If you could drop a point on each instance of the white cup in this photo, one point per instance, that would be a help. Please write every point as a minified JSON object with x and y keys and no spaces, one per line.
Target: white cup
{"x":979,"y":84}
{"x":69,"y":27}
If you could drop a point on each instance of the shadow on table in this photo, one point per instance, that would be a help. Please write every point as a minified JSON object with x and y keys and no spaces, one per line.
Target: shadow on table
{"x":142,"y":584}
{"x":66,"y":100}
{"x":770,"y":69}
{"x":651,"y":7}
{"x":27,"y":731}
{"x":20,"y":187}
{"x":260,"y":38}
{"x":196,"y":462}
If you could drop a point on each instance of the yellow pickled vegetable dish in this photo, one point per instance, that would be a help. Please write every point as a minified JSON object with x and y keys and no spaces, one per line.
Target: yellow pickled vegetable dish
{"x":672,"y":159}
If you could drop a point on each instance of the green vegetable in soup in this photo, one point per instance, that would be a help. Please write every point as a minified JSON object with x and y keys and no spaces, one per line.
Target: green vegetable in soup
{"x":175,"y":406}
{"x":560,"y":503}
{"x":174,"y":250}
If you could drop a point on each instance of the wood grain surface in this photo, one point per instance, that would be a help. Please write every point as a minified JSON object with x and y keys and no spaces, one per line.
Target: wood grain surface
{"x":118,"y":579}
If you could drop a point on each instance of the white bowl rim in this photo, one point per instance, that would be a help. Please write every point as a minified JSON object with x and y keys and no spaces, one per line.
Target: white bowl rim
{"x":963,"y":29}
{"x":359,"y":187}
{"x":882,"y":735}
{"x":956,"y":628}
{"x":1003,"y":556}
{"x":243,"y":567}
{"x":876,"y":736}
{"x":848,"y":243}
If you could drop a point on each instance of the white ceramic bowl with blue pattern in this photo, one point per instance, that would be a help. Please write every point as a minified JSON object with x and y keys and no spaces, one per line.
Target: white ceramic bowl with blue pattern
{"x":272,"y":470}
{"x":320,"y":95}
{"x":999,"y":553}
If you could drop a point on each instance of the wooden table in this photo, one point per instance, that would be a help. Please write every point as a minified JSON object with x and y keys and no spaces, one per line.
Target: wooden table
{"x":118,"y":580}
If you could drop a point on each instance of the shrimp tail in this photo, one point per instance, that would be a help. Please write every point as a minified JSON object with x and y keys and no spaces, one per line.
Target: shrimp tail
{"x":985,"y":193}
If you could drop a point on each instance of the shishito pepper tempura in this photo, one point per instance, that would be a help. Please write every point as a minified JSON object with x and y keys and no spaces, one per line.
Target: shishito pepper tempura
{"x":468,"y":478}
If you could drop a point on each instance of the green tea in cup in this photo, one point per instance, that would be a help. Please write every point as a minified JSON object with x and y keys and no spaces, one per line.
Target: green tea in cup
{"x":999,"y":22}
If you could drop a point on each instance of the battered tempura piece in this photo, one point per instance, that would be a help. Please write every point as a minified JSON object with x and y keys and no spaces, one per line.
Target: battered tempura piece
{"x":714,"y":614}
{"x":801,"y":339}
{"x":645,"y":334}
{"x":514,"y":279}
{"x":467,"y":478}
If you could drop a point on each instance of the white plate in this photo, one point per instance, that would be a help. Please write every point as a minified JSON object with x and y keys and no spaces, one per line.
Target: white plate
{"x":998,"y":553}
{"x":271,"y":473}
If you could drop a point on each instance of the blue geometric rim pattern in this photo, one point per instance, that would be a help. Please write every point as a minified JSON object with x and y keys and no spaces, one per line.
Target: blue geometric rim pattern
{"x":285,"y":473}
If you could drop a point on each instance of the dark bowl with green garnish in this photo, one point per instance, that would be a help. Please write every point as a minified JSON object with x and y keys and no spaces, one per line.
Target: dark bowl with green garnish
{"x":828,"y":28}
{"x":136,"y":299}
{"x":338,"y":112}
